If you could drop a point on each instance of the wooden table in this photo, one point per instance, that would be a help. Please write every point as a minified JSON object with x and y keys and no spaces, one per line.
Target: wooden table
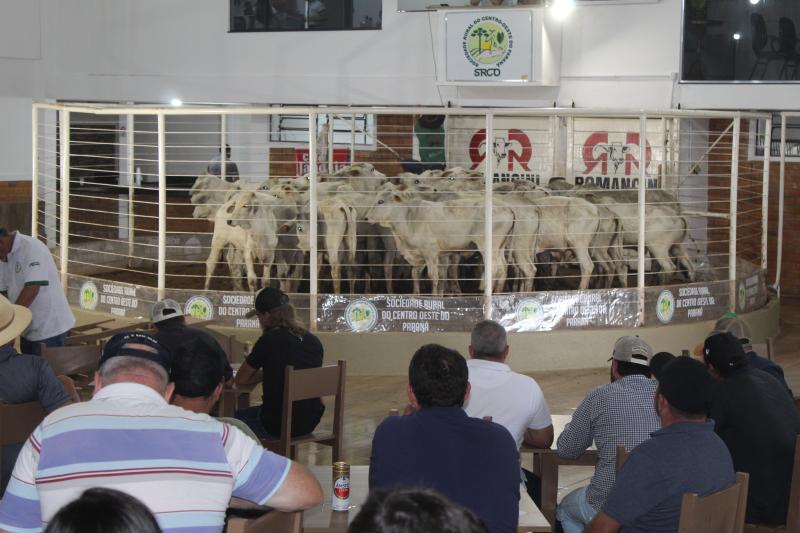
{"x":322,"y":519}
{"x":546,"y":463}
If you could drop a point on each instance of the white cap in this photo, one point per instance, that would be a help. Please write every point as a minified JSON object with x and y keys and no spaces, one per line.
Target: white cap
{"x":164,"y":310}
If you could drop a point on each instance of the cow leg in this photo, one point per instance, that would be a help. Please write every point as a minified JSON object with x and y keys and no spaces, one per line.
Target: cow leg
{"x":585,"y":261}
{"x":679,"y":251}
{"x":388,"y":264}
{"x":213,"y":257}
{"x":667,"y":267}
{"x":416,"y":272}
{"x":234,"y":259}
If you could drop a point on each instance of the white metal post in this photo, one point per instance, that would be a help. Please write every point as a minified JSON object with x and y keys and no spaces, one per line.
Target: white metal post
{"x":329,"y":151}
{"x":162,"y":208}
{"x":640,"y":278}
{"x":488,"y":190}
{"x":765,"y":192}
{"x":35,"y":172}
{"x":223,"y":148}
{"x":130,"y":156}
{"x":733,"y":214}
{"x":352,"y":139}
{"x":781,"y":178}
{"x":64,"y":137}
{"x":312,"y":220}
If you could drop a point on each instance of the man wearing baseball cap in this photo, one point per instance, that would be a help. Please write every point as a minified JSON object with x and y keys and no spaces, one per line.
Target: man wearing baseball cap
{"x":685,"y":455}
{"x":758,"y":422}
{"x":129,"y":437}
{"x":173,"y":333}
{"x":620,"y":413}
{"x":23,"y":378}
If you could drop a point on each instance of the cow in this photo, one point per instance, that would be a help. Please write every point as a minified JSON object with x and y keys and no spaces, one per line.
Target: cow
{"x":424,"y":230}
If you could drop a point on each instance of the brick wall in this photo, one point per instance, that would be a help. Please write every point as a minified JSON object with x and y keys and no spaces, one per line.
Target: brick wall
{"x":15,"y":205}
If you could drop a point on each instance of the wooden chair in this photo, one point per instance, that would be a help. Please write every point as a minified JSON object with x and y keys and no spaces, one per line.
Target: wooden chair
{"x":622,"y":456}
{"x":270,"y":522}
{"x":793,"y":517}
{"x":69,"y":387}
{"x":17,"y":422}
{"x":720,"y":512}
{"x":302,"y":385}
{"x":77,"y":362}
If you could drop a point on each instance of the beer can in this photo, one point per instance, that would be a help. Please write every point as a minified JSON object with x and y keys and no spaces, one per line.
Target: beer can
{"x":340,"y":500}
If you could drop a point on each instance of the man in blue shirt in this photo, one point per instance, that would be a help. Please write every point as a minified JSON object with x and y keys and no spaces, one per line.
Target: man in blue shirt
{"x":685,"y":455}
{"x":473,"y":462}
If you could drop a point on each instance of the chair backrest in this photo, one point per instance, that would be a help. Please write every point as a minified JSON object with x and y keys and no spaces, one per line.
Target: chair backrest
{"x":69,"y":388}
{"x":68,"y":360}
{"x":17,"y":421}
{"x":271,"y":522}
{"x":793,"y":517}
{"x":758,"y":29}
{"x":313,"y":383}
{"x":719,"y":512}
{"x":622,"y":456}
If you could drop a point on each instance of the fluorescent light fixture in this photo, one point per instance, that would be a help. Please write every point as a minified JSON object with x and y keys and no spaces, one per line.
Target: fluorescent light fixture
{"x":737,"y":36}
{"x":562,"y":8}
{"x":754,"y":2}
{"x":176,"y":102}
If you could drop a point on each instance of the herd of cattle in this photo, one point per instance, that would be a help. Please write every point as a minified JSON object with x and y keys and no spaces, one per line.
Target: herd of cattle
{"x":376,"y":226}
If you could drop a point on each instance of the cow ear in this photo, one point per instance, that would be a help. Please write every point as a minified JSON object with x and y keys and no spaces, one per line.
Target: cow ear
{"x":397,"y":198}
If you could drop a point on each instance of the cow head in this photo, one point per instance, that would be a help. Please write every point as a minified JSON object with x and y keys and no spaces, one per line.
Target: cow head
{"x":244,"y":211}
{"x":383,"y":210}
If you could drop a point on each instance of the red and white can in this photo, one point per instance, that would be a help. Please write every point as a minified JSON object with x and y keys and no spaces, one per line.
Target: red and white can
{"x":340,"y":500}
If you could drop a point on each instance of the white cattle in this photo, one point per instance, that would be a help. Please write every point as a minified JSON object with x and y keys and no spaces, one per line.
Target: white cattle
{"x":425,"y":230}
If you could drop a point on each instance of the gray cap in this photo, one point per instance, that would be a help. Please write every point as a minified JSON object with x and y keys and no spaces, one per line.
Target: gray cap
{"x":730,"y":323}
{"x":164,"y":310}
{"x":632,"y":349}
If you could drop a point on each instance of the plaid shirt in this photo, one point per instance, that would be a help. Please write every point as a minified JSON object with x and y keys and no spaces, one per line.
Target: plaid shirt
{"x":622,"y":412}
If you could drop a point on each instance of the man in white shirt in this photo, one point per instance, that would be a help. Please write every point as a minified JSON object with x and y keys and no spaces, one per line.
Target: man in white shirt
{"x":28,"y":277}
{"x":513,"y":400}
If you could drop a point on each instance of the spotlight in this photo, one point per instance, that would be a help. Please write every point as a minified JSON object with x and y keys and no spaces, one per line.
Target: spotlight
{"x":562,"y":8}
{"x":737,"y":36}
{"x":176,"y":102}
{"x":754,"y":2}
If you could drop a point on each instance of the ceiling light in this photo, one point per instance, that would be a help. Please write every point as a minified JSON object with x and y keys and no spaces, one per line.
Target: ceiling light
{"x":737,"y":36}
{"x":176,"y":102}
{"x":562,"y":8}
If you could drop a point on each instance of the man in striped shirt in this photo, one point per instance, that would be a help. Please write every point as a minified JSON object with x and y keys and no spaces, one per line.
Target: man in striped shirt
{"x":184,"y":466}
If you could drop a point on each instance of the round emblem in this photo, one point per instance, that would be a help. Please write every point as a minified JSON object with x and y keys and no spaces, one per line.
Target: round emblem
{"x":361,"y":315}
{"x":529,"y":312}
{"x":665,"y":306}
{"x":742,"y":299}
{"x":199,"y":307}
{"x":487,"y":42}
{"x":89,"y":296}
{"x":17,"y":268}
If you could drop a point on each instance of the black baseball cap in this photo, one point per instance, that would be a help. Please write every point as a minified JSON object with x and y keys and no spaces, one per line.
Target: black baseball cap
{"x":687,"y":385}
{"x":268,"y":299}
{"x":724,"y":351}
{"x":136,"y":344}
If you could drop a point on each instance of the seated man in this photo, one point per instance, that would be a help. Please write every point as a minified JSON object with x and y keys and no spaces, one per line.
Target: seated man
{"x":618,"y":413}
{"x":172,"y":332}
{"x":759,"y":423}
{"x":129,"y":438}
{"x":513,"y":400}
{"x":23,"y":378}
{"x":473,"y":462}
{"x":685,"y":455}
{"x":197,"y":372}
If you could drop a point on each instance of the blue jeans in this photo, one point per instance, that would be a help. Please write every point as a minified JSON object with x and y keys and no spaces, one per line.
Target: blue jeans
{"x":574,"y":511}
{"x":32,"y":347}
{"x":252,"y":417}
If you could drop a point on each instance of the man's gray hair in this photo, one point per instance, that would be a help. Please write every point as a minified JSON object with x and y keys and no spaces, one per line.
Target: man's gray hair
{"x":488,"y":339}
{"x":125,"y":368}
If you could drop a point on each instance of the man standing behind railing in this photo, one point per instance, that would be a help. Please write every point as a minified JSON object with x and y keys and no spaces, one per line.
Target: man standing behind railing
{"x":28,"y":277}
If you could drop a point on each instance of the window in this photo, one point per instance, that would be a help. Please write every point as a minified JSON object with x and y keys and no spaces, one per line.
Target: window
{"x":756,"y":144}
{"x":304,"y":15}
{"x":294,"y":129}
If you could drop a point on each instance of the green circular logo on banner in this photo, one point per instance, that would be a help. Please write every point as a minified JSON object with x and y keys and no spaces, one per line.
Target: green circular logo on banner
{"x":530,"y":312}
{"x":665,"y":306}
{"x":361,"y":315}
{"x":199,"y":307}
{"x":89,"y":297}
{"x":487,"y":41}
{"x":742,"y":300}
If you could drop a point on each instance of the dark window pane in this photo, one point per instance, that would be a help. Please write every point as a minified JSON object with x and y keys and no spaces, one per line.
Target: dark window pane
{"x":297,"y":15}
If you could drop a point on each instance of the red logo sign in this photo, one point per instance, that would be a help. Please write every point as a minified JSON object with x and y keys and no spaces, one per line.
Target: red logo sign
{"x":597,"y":150}
{"x":515,"y":147}
{"x":341,"y":159}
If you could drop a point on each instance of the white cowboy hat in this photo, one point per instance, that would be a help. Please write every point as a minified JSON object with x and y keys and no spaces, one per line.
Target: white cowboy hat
{"x":13,"y":320}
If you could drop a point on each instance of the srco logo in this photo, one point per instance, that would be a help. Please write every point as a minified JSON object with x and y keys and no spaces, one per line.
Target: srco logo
{"x":487,"y":44}
{"x":199,"y":307}
{"x":530,"y":313}
{"x":665,"y":306}
{"x":361,"y":315}
{"x":515,"y":147}
{"x":89,"y":296}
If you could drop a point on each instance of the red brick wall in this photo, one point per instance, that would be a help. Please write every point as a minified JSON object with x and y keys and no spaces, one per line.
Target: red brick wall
{"x":15,"y":205}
